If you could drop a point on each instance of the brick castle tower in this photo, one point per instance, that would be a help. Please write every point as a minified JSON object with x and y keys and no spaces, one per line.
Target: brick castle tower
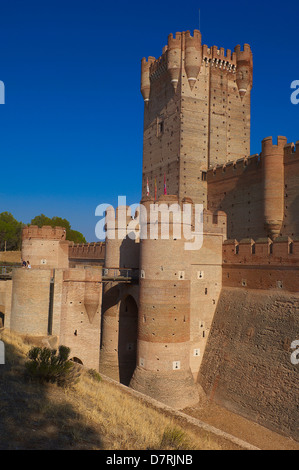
{"x":196,"y":114}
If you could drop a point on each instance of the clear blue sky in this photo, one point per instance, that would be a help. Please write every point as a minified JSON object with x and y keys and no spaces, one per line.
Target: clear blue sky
{"x":74,"y":112}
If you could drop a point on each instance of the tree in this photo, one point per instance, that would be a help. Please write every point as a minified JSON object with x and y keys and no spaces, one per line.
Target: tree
{"x":71,"y":235}
{"x":10,"y":232}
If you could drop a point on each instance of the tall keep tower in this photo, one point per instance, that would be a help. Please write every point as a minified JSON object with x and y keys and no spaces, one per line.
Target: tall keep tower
{"x":196,"y":114}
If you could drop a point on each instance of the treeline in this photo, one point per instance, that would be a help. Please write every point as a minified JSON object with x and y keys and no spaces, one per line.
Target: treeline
{"x":11,"y":230}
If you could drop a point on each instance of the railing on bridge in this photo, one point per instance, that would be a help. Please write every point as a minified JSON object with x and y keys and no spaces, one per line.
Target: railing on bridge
{"x":108,"y":274}
{"x":120,"y":274}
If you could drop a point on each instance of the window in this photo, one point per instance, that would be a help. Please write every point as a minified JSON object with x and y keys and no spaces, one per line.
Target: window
{"x":160,"y":126}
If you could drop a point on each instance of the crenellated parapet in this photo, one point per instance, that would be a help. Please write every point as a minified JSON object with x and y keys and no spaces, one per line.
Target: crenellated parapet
{"x":244,"y":69}
{"x":234,"y":168}
{"x":45,"y":247}
{"x":87,"y":251}
{"x":185,"y":52}
{"x":182,"y":216}
{"x":291,"y":153}
{"x":45,"y":232}
{"x":284,"y":251}
{"x":219,"y":58}
{"x":261,"y":264}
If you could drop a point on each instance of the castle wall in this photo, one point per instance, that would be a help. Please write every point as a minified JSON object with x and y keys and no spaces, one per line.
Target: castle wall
{"x":5,"y":300}
{"x":290,"y":225}
{"x":89,"y":253}
{"x":10,"y":257}
{"x":260,"y":193}
{"x":262,"y":264}
{"x":247,"y":362}
{"x":206,"y":284}
{"x":238,"y":190}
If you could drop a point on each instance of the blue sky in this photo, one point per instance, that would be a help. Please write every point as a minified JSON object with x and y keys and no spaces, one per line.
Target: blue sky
{"x":74,"y":112}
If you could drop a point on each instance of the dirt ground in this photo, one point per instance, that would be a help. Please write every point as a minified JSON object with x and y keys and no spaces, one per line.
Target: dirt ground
{"x":241,"y":428}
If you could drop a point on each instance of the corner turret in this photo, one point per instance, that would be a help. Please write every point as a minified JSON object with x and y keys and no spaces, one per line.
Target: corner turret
{"x":244,"y":69}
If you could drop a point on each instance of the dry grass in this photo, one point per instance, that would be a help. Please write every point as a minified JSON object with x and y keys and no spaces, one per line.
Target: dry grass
{"x":89,"y":415}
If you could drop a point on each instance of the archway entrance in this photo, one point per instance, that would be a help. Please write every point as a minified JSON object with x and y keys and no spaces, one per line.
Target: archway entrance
{"x":127,"y":339}
{"x":76,"y":360}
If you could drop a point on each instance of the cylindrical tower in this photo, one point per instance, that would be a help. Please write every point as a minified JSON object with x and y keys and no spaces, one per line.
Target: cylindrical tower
{"x":163,"y":362}
{"x":174,"y":58}
{"x":193,"y":56}
{"x":30,"y":301}
{"x":145,"y":78}
{"x":45,"y":247}
{"x":244,"y":69}
{"x":272,"y":158}
{"x":119,"y":314}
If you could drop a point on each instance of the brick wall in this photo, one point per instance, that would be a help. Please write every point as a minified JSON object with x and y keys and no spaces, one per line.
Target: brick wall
{"x":247,"y":363}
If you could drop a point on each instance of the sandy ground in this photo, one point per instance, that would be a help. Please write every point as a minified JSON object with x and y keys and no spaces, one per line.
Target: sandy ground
{"x":241,"y":428}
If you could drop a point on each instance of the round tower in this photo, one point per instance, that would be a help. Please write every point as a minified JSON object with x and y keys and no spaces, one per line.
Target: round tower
{"x":174,"y":58}
{"x":119,"y":310}
{"x":272,"y":157}
{"x":163,"y":354}
{"x":193,"y":56}
{"x":30,"y":301}
{"x":244,"y":69}
{"x":45,"y":247}
{"x":145,"y":78}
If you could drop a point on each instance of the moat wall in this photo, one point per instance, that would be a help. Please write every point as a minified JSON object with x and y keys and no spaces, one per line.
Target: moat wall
{"x":247,"y":362}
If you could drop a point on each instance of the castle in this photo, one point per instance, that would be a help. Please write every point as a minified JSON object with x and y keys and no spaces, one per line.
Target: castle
{"x":169,"y":322}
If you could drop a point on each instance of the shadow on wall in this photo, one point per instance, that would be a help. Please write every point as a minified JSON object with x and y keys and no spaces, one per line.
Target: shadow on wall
{"x":129,"y":253}
{"x":241,"y":198}
{"x":293,"y":216}
{"x":31,"y":420}
{"x":127,"y":339}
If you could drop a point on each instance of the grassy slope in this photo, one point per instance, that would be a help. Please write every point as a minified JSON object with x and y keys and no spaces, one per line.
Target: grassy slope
{"x":90,"y":415}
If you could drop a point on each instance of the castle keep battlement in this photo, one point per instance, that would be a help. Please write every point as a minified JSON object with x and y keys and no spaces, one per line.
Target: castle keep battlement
{"x":195,"y":55}
{"x":196,"y":113}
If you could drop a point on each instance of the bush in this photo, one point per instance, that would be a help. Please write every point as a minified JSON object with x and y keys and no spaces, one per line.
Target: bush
{"x":48,"y":365}
{"x":94,"y":375}
{"x":174,"y":439}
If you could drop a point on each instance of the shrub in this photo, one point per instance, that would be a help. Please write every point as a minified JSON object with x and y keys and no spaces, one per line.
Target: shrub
{"x":174,"y":439}
{"x":48,"y":365}
{"x":94,"y":375}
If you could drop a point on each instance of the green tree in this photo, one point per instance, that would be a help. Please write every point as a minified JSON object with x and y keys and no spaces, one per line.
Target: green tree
{"x":10,"y":232}
{"x":71,"y":235}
